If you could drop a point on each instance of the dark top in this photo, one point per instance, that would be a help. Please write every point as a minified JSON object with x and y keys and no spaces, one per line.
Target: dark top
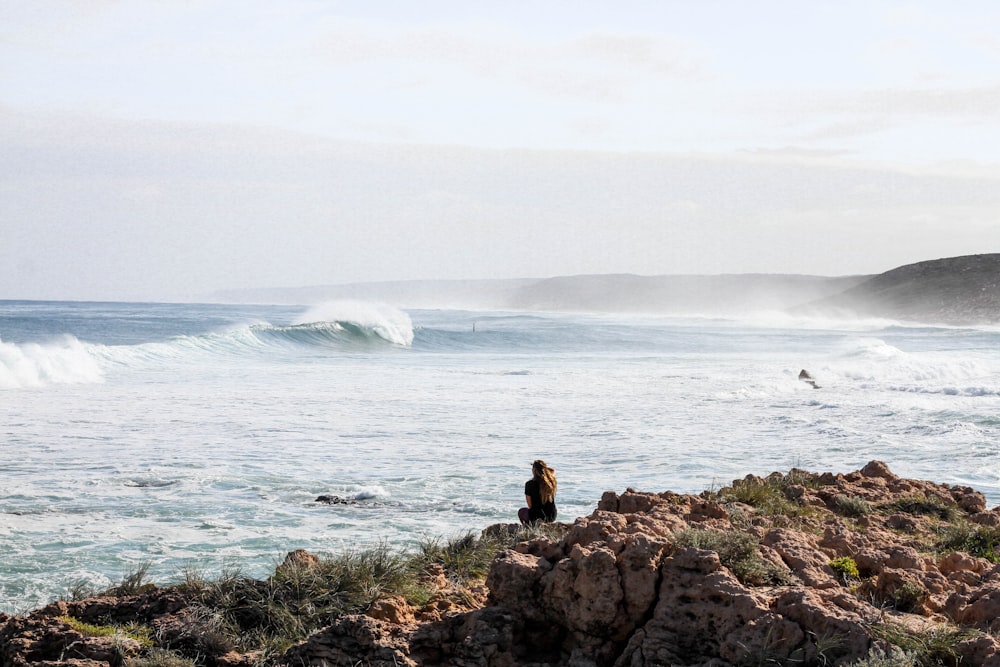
{"x":538,"y":511}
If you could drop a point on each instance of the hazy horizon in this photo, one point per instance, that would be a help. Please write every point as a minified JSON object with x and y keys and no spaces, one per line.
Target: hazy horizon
{"x":154,"y":151}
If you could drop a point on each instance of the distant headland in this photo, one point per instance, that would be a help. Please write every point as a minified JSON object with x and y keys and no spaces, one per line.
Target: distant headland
{"x":954,"y":291}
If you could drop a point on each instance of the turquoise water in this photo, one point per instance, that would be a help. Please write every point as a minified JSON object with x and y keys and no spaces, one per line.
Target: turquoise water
{"x":198,"y":436}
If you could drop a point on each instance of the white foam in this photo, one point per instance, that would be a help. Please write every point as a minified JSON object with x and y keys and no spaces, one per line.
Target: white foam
{"x":387,"y":322}
{"x":63,"y":361}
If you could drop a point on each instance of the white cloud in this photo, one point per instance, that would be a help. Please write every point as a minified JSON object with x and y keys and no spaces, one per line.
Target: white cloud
{"x":221,"y":137}
{"x":180,"y":210}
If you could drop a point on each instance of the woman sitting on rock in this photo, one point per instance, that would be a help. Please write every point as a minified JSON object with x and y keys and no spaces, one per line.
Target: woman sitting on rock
{"x":540,"y":494}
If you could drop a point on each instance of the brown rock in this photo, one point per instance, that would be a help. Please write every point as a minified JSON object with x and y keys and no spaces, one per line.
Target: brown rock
{"x":236,"y":659}
{"x":878,"y":469}
{"x":979,"y":608}
{"x":299,"y":558}
{"x":991,"y":518}
{"x":585,"y":590}
{"x":512,"y":578}
{"x":39,"y":639}
{"x":705,"y":612}
{"x":392,"y":610}
{"x":803,"y":557}
{"x":981,"y":650}
{"x":827,"y":614}
{"x":616,"y":590}
{"x":352,"y":640}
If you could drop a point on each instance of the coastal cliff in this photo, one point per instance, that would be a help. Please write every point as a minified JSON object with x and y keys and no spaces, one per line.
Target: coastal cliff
{"x":953,"y":290}
{"x":802,"y":568}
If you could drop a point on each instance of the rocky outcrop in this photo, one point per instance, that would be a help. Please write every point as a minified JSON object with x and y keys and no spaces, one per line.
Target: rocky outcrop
{"x":622,"y":589}
{"x":801,"y":568}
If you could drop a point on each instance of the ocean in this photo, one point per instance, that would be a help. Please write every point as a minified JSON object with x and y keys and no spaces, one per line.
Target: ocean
{"x":197,"y":437}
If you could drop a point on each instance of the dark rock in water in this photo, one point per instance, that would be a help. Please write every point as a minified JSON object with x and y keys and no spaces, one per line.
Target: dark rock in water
{"x":336,"y":500}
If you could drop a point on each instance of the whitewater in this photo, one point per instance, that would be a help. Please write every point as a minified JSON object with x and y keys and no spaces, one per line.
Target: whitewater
{"x":197,"y":437}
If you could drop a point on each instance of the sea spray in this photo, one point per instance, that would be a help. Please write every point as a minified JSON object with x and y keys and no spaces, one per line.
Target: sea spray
{"x":62,"y":361}
{"x":389,"y":323}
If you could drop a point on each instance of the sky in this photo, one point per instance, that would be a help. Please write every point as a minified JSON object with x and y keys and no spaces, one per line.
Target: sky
{"x":167,"y":149}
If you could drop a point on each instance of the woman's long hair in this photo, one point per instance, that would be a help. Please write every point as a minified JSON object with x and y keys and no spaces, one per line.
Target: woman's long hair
{"x":546,"y":477}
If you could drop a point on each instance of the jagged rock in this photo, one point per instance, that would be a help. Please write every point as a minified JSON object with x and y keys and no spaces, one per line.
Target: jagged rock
{"x":979,"y":608}
{"x":981,"y":650}
{"x":394,"y":610}
{"x":298,"y":558}
{"x":803,"y":557}
{"x":383,"y":644}
{"x":39,"y":639}
{"x":622,"y":587}
{"x":335,"y":500}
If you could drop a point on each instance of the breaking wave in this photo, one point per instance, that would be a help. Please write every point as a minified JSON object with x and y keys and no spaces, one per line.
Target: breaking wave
{"x":874,"y":361}
{"x":346,"y":326}
{"x":62,"y":361}
{"x":362,"y":319}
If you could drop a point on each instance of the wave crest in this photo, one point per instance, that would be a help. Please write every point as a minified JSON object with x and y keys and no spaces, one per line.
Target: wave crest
{"x":362,"y":319}
{"x":62,"y":361}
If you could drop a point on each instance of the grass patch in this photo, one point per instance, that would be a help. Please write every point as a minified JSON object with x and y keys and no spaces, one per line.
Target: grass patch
{"x":465,"y":558}
{"x":134,"y":631}
{"x":133,"y":582}
{"x":879,"y":658}
{"x":975,"y":540}
{"x":239,"y":612}
{"x":851,"y":506}
{"x":921,"y":505}
{"x":773,"y":495}
{"x":740,"y":552}
{"x":300,"y":597}
{"x":927,"y":648}
{"x":157,"y":657}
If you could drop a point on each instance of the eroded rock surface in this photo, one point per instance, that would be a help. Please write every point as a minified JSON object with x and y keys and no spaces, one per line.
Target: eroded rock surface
{"x":802,"y":569}
{"x":620,"y":588}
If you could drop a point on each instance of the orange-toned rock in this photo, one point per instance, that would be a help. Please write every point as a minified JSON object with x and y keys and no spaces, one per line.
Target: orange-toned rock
{"x":979,"y":608}
{"x":958,"y":561}
{"x":392,"y":610}
{"x":801,"y":554}
{"x":299,"y":557}
{"x":619,"y":588}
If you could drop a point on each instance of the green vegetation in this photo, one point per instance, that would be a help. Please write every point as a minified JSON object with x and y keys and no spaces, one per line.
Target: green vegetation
{"x":139,"y":633}
{"x":921,"y":505}
{"x":134,"y":582}
{"x":926,"y":648}
{"x":851,"y":506}
{"x":157,"y":657}
{"x":740,"y":552}
{"x":879,"y":658}
{"x":774,"y":496}
{"x":908,"y":597}
{"x":239,"y":612}
{"x":465,"y":558}
{"x":975,"y":540}
{"x":845,"y":567}
{"x":236,"y":611}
